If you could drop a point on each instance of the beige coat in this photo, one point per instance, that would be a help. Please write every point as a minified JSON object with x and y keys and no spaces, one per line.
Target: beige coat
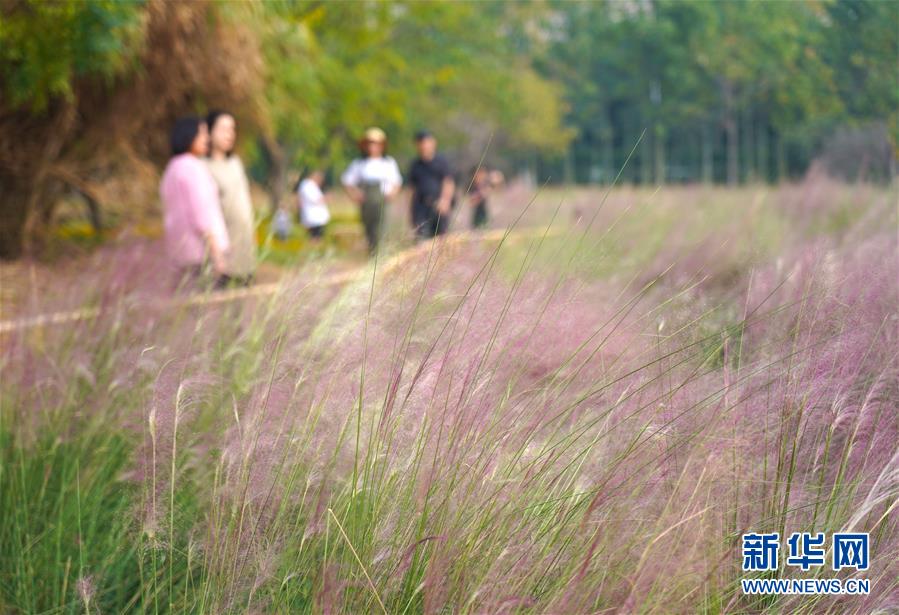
{"x":237,"y":210}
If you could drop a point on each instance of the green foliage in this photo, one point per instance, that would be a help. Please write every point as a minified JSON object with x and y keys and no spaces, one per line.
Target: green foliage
{"x":46,"y":46}
{"x":334,"y":69}
{"x":766,"y":79}
{"x":862,"y":47}
{"x":694,"y":74}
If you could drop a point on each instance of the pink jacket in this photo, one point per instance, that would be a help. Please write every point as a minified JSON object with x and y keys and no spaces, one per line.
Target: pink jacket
{"x":191,"y":210}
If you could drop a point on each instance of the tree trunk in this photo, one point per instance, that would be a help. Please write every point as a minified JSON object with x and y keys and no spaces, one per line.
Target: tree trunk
{"x":646,"y":159}
{"x":631,"y":173}
{"x":761,"y":145}
{"x":87,"y":191}
{"x":25,"y":175}
{"x":659,"y":154}
{"x":748,"y":145}
{"x":732,"y":133}
{"x":277,"y":173}
{"x":733,"y":156}
{"x":15,"y":195}
{"x":592,"y":156}
{"x":708,"y":148}
{"x":781,"y":159}
{"x":608,"y":149}
{"x":568,"y":165}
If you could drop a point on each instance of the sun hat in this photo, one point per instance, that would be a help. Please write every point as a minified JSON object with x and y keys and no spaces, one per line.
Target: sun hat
{"x":375,"y":134}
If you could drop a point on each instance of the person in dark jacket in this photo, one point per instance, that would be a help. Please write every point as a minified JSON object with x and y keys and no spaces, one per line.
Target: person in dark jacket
{"x":433,"y":188}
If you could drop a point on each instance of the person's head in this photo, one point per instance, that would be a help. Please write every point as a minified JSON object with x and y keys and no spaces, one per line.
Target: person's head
{"x":426,"y":145}
{"x":189,"y":135}
{"x":318,"y":176}
{"x":374,"y":143}
{"x":222,"y":132}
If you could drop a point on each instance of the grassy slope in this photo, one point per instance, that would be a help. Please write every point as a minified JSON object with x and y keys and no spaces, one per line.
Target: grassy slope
{"x":570,"y":423}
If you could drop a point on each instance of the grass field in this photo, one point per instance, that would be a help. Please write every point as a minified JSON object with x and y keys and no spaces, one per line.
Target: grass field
{"x":582,"y":416}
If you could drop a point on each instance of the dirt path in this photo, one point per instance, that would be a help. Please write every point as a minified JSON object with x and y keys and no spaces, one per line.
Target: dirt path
{"x":25,"y":284}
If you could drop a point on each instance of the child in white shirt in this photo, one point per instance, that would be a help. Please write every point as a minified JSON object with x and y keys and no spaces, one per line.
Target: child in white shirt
{"x":314,"y":214}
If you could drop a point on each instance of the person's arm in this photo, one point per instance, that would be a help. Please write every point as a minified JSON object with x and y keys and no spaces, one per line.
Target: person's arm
{"x":350,"y":180}
{"x":216,"y":253}
{"x":354,"y":192}
{"x":413,"y":182}
{"x":445,"y":202}
{"x":394,"y":180}
{"x":447,"y":190}
{"x":207,"y":216}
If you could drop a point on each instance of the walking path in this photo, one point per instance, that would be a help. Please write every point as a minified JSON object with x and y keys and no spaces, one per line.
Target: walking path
{"x":393,"y":263}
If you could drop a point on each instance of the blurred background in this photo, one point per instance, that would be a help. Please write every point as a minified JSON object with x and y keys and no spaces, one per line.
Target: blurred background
{"x":547,"y":91}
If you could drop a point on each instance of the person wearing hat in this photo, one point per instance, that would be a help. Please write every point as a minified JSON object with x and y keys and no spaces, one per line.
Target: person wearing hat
{"x":433,"y":188}
{"x":371,"y":181}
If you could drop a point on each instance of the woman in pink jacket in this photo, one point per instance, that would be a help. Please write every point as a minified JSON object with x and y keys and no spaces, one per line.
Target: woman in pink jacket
{"x":195,"y":233}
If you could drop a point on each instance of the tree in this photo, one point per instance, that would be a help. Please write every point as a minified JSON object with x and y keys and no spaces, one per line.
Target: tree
{"x":720,"y":81}
{"x":90,"y":90}
{"x":404,"y":66}
{"x":44,"y":49}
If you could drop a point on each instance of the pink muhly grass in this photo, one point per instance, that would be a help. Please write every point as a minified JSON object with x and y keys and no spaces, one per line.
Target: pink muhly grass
{"x":529,"y":438}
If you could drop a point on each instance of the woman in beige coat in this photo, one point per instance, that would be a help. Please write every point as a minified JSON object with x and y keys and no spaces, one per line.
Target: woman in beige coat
{"x":234,"y":196}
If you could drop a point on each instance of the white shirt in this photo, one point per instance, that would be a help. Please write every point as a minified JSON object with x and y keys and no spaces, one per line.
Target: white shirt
{"x":313,"y":210}
{"x":364,"y":170}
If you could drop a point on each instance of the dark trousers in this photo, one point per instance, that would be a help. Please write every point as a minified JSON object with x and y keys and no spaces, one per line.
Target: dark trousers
{"x":479,"y":216}
{"x":372,"y":215}
{"x":233,"y":281}
{"x":196,"y":278}
{"x":427,"y":222}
